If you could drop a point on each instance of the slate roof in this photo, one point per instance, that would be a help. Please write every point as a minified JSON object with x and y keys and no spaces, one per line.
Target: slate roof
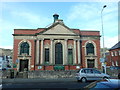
{"x":116,"y":46}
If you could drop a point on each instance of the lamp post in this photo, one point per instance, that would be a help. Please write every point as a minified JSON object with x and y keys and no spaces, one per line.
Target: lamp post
{"x":104,"y":66}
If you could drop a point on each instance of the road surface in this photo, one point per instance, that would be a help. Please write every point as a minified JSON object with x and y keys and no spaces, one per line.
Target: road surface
{"x":43,"y":84}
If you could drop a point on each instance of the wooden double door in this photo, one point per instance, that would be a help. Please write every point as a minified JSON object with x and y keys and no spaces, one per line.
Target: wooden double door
{"x":90,"y":63}
{"x":23,"y":65}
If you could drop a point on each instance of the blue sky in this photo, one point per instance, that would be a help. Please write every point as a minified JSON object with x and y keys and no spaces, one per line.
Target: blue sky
{"x":80,"y":15}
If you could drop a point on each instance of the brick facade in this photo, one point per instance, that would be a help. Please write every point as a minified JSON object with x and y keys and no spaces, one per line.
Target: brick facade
{"x":113,"y":56}
{"x":42,"y":39}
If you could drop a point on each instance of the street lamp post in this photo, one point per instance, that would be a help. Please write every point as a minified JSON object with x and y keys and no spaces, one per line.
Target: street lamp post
{"x":104,"y":66}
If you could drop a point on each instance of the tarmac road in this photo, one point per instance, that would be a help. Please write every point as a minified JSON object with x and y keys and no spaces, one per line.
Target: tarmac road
{"x":43,"y":84}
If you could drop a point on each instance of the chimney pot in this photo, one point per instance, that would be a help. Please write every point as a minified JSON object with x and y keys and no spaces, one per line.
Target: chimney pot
{"x":55,"y":17}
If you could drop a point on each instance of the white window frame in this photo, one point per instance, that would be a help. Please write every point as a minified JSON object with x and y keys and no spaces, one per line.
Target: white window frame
{"x":119,"y":52}
{"x":112,"y":53}
{"x":115,"y":53}
{"x":113,"y":63}
{"x":116,"y":63}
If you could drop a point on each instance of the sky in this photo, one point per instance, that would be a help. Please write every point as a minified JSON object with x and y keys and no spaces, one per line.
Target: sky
{"x":79,"y":15}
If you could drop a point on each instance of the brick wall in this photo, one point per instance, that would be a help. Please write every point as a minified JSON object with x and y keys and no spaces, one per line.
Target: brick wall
{"x":51,"y":74}
{"x":113,"y":58}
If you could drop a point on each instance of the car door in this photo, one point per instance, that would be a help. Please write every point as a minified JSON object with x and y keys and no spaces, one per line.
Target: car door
{"x":89,"y":74}
{"x":98,"y":75}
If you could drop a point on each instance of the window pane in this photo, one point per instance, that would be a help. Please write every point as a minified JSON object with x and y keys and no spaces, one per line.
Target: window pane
{"x":58,"y":54}
{"x":95,"y":71}
{"x":70,"y":56}
{"x":46,"y":55}
{"x":24,"y":48}
{"x":89,"y":48}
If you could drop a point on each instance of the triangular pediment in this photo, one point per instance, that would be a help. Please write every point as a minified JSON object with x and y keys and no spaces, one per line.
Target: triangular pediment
{"x":59,"y":29}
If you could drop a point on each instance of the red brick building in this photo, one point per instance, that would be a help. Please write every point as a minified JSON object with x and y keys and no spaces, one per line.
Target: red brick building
{"x":113,"y":56}
{"x":56,"y":47}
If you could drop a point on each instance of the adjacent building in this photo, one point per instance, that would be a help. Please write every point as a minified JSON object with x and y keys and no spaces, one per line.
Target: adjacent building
{"x":0,"y":63}
{"x":6,"y":58}
{"x":113,"y":56}
{"x":56,"y":47}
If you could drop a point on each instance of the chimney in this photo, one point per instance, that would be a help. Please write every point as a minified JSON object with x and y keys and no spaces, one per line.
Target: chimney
{"x":55,"y":17}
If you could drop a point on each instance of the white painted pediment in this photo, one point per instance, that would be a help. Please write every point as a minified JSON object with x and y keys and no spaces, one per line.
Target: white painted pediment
{"x":59,"y":29}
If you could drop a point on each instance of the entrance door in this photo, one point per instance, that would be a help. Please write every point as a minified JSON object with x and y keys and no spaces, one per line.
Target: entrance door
{"x":23,"y":65}
{"x":90,"y":63}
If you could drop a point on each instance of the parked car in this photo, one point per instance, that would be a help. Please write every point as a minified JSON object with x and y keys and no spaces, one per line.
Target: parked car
{"x":87,"y":74}
{"x":114,"y":67}
{"x":109,"y":84}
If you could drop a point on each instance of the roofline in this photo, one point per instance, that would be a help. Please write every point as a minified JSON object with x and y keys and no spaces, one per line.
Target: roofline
{"x":112,"y":48}
{"x":74,"y":29}
{"x":25,"y":29}
{"x":56,"y":34}
{"x":90,"y":35}
{"x":89,"y":31}
{"x":30,"y":29}
{"x":23,"y":34}
{"x":41,"y":28}
{"x":84,"y":30}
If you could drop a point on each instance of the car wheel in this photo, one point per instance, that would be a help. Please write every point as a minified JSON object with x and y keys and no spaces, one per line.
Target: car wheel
{"x":83,"y":80}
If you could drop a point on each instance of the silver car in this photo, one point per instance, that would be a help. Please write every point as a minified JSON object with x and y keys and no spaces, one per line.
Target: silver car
{"x":87,"y":74}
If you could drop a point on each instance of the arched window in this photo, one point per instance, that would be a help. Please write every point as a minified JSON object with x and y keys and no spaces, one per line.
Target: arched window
{"x":89,"y":49}
{"x":58,"y":54}
{"x":24,"y":48}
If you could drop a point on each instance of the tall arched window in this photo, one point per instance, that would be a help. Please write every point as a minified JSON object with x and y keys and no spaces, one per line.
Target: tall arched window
{"x":24,"y":48}
{"x":58,"y":54}
{"x":89,"y":49}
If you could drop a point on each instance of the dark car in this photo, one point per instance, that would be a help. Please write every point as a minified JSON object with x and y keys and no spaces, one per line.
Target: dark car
{"x":110,"y":84}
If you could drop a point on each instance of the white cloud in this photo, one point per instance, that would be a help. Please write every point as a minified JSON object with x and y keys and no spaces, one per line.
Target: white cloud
{"x":6,"y":32}
{"x":89,"y":17}
{"x":82,"y":11}
{"x":32,"y":19}
{"x":109,"y":41}
{"x":82,"y":15}
{"x":7,"y":47}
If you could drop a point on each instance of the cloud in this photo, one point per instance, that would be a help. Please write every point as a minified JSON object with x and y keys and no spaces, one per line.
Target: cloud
{"x":7,"y":47}
{"x":33,"y":19}
{"x":23,"y":18}
{"x":82,"y":11}
{"x":6,"y":32}
{"x":109,"y":41}
{"x":88,"y":16}
{"x":84,"y":15}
